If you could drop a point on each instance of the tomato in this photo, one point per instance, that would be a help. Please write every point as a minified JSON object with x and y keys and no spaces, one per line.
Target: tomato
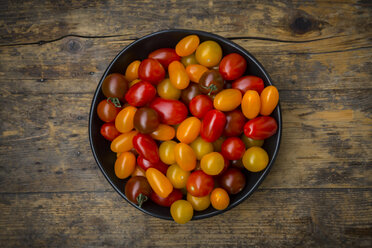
{"x":115,"y":85}
{"x":233,"y":148}
{"x":255,"y":159}
{"x":138,"y":171}
{"x":251,"y":104}
{"x":232,"y":66}
{"x":251,"y":142}
{"x":171,"y":112}
{"x":208,"y":53}
{"x":145,"y":164}
{"x":166,"y":152}
{"x":163,"y":132}
{"x":237,"y":164}
{"x":159,"y":182}
{"x":181,"y":211}
{"x":140,"y":94}
{"x":146,"y":120}
{"x":201,"y":147}
{"x":123,"y":142}
{"x":124,"y":165}
{"x":260,"y":128}
{"x":168,"y":201}
{"x":185,"y":156}
{"x":235,"y":121}
{"x":195,"y":72}
{"x":269,"y":100}
{"x":177,"y":176}
{"x":212,"y":163}
{"x":226,"y":166}
{"x":220,"y":199}
{"x":134,"y":82}
{"x":151,"y":70}
{"x":233,"y":181}
{"x":211,"y":82}
{"x":131,"y":73}
{"x":189,"y":93}
{"x":248,"y":83}
{"x":200,"y":184}
{"x":187,"y":45}
{"x":165,"y":56}
{"x":217,"y":144}
{"x":109,"y":132}
{"x":200,"y":105}
{"x":188,"y":130}
{"x":146,"y":147}
{"x":199,"y":203}
{"x":227,"y":100}
{"x":137,"y":190}
{"x":124,"y":120}
{"x":212,"y":125}
{"x":166,"y":90}
{"x":189,"y":60}
{"x":106,"y":111}
{"x":178,"y":75}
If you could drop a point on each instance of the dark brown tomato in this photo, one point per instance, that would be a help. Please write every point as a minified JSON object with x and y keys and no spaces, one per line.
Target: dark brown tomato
{"x":115,"y":85}
{"x":235,"y":121}
{"x":189,"y":93}
{"x":146,"y":120}
{"x":211,"y":82}
{"x":138,"y":190}
{"x":233,"y":180}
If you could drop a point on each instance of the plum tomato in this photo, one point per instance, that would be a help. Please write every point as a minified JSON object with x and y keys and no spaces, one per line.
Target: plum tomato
{"x":124,"y":165}
{"x":233,"y":148}
{"x":260,"y":128}
{"x":189,"y":93}
{"x":199,"y":184}
{"x":269,"y":100}
{"x":109,"y":132}
{"x":145,"y":164}
{"x":211,"y":82}
{"x":201,"y":147}
{"x":165,"y":56}
{"x":131,"y":73}
{"x":227,"y":100}
{"x":181,"y":211}
{"x":124,"y":120}
{"x":233,"y":181}
{"x":212,"y":125}
{"x":251,"y":142}
{"x":138,"y":190}
{"x":200,"y":105}
{"x":219,"y":199}
{"x":185,"y":156}
{"x":150,"y":70}
{"x":208,"y":53}
{"x":255,"y":159}
{"x":248,"y":83}
{"x":177,"y":176}
{"x":163,"y":132}
{"x":140,"y":94}
{"x":166,"y":90}
{"x":188,"y":130}
{"x":168,"y":201}
{"x":166,"y":152}
{"x":195,"y":72}
{"x":187,"y":45}
{"x":106,"y":111}
{"x":235,"y":121}
{"x":232,"y":66}
{"x":189,"y":60}
{"x":199,"y":203}
{"x":251,"y":104}
{"x":178,"y":75}
{"x":146,"y":120}
{"x":212,"y":163}
{"x":115,"y":85}
{"x":171,"y":112}
{"x":146,"y":147}
{"x":159,"y":182}
{"x":124,"y":142}
{"x":138,"y":171}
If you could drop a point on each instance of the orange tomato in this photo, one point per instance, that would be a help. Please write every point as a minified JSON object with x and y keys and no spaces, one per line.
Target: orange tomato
{"x":131,"y":72}
{"x":227,"y":100}
{"x":269,"y":100}
{"x":123,"y":142}
{"x":178,"y":75}
{"x":134,"y":82}
{"x":195,"y":72}
{"x":138,"y":171}
{"x":163,"y":133}
{"x":124,"y":165}
{"x":251,"y":104}
{"x":220,"y":199}
{"x":185,"y":156}
{"x":188,"y":130}
{"x":159,"y":182}
{"x":124,"y":120}
{"x":187,"y":45}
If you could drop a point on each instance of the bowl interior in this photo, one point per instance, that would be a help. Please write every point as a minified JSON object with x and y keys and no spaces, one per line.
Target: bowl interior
{"x":139,"y":50}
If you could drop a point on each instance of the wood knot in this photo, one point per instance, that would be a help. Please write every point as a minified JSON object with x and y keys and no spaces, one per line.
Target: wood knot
{"x":301,"y":25}
{"x":74,"y":46}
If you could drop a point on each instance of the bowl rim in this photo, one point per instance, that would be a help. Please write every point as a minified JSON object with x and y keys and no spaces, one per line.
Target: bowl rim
{"x":187,"y":32}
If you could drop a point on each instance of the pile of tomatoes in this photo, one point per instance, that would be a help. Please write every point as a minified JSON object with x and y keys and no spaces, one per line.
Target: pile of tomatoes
{"x":187,"y":121}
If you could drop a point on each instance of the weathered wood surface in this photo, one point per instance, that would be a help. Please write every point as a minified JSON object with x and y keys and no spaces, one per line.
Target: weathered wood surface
{"x":319,"y":192}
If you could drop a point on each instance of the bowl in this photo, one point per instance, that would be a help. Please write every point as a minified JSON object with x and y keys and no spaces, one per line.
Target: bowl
{"x":138,"y":50}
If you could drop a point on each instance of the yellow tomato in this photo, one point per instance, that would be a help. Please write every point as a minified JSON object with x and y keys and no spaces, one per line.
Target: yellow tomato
{"x":189,"y":60}
{"x":201,"y":147}
{"x":123,"y":142}
{"x":187,"y":45}
{"x":188,"y":130}
{"x":255,"y":159}
{"x":177,"y":176}
{"x":248,"y":142}
{"x":212,"y":163}
{"x":227,"y":100}
{"x":269,"y":100}
{"x":124,"y":120}
{"x":208,"y":53}
{"x":166,"y":152}
{"x":181,"y":211}
{"x":166,"y":90}
{"x":134,"y":82}
{"x":185,"y":156}
{"x":251,"y":104}
{"x":131,"y":72}
{"x":199,"y":203}
{"x":124,"y":165}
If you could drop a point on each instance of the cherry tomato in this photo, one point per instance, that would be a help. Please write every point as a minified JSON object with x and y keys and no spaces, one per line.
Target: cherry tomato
{"x":201,"y":147}
{"x":269,"y":100}
{"x":189,"y":60}
{"x":146,"y":120}
{"x":134,"y":82}
{"x":195,"y":72}
{"x":233,"y":181}
{"x":185,"y":156}
{"x":188,"y":130}
{"x":124,"y":120}
{"x":226,"y":166}
{"x":237,"y":164}
{"x":251,"y":142}
{"x":232,"y":66}
{"x":163,"y":133}
{"x":146,"y":147}
{"x":208,"y":53}
{"x":166,"y":152}
{"x":151,"y":70}
{"x":218,"y":144}
{"x":137,"y":190}
{"x":124,"y":142}
{"x":220,"y":199}
{"x":169,"y":200}
{"x":177,"y":176}
{"x":145,"y":164}
{"x":235,"y":121}
{"x":199,"y":203}
{"x":233,"y":148}
{"x":166,"y":90}
{"x":138,"y":172}
{"x":159,"y":182}
{"x":178,"y":75}
{"x":212,"y":163}
{"x":115,"y":85}
{"x":260,"y":128}
{"x":109,"y":132}
{"x":140,"y":94}
{"x":124,"y":165}
{"x":199,"y":184}
{"x":165,"y":56}
{"x":200,"y":105}
{"x":227,"y":100}
{"x":171,"y":112}
{"x":106,"y":111}
{"x":187,"y":45}
{"x":181,"y":211}
{"x":249,"y":83}
{"x":212,"y":125}
{"x":189,"y":93}
{"x":131,"y":73}
{"x":255,"y":159}
{"x":251,"y":104}
{"x":211,"y":82}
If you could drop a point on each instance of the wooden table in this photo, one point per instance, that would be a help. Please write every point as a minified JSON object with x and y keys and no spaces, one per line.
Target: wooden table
{"x":319,"y":192}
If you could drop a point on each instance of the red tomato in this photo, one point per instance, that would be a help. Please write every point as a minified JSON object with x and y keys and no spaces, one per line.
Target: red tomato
{"x":171,"y":112}
{"x":106,"y":111}
{"x":233,"y":181}
{"x":140,"y":94}
{"x":109,"y":131}
{"x":232,"y":66}
{"x":260,"y":128}
{"x":145,"y":164}
{"x":165,"y":56}
{"x":235,"y":121}
{"x":146,"y":147}
{"x":249,"y":83}
{"x":168,"y":201}
{"x":199,"y":184}
{"x":233,"y":148}
{"x":200,"y":105}
{"x":151,"y":70}
{"x":212,"y":125}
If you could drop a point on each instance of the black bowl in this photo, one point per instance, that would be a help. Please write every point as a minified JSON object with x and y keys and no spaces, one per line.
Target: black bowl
{"x":139,"y":50}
